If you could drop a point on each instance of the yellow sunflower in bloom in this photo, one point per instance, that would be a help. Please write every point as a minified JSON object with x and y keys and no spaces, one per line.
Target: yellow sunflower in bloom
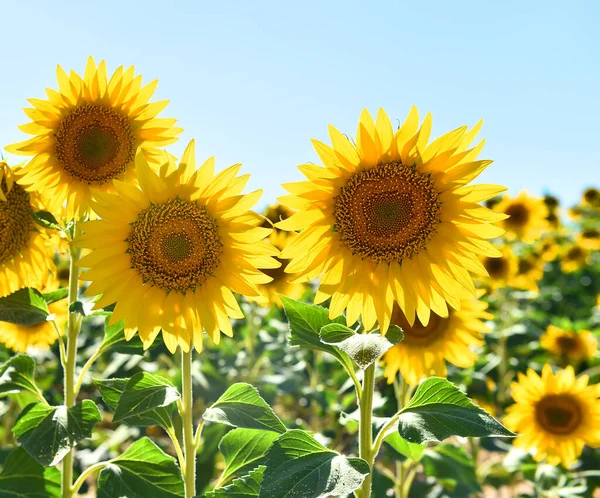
{"x":574,"y":346}
{"x":547,"y":249}
{"x":555,"y":415}
{"x":392,"y":219}
{"x":573,"y":258}
{"x":500,"y":270}
{"x":589,"y":239}
{"x":426,"y":348}
{"x":530,"y":270}
{"x":274,"y":214}
{"x":170,"y":253}
{"x":87,"y":133}
{"x":20,"y":338}
{"x":591,"y":198}
{"x":24,"y":256}
{"x":527,"y":216}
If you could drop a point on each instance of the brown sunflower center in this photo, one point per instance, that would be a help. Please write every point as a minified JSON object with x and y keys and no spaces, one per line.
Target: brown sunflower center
{"x":575,"y":253}
{"x":387,"y":213}
{"x":525,"y":266}
{"x":16,"y":223}
{"x":496,"y":267}
{"x":175,"y":245}
{"x":418,"y":334}
{"x":95,"y":144}
{"x":592,"y":197}
{"x":277,"y":274}
{"x":519,"y":215}
{"x":558,"y":413}
{"x":590,"y":234}
{"x":567,"y":344}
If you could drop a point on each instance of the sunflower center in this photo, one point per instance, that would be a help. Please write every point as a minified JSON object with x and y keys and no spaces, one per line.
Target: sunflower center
{"x":496,"y":267}
{"x":16,"y":223}
{"x":567,"y":343}
{"x":277,"y":274}
{"x":387,"y":213}
{"x":95,"y":144}
{"x":175,"y":245}
{"x":558,"y":413}
{"x":519,"y":215}
{"x":575,"y":253}
{"x":419,"y":334}
{"x":592,"y":197}
{"x":525,"y":266}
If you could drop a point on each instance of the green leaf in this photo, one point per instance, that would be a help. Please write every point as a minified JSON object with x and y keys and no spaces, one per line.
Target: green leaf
{"x":242,"y":406}
{"x":439,"y":410}
{"x":111,"y":391}
{"x":57,"y":295}
{"x":49,"y":432}
{"x":364,"y":349}
{"x":244,"y":450}
{"x":244,"y":487}
{"x":114,"y":338}
{"x":402,"y":446}
{"x":16,"y":375}
{"x":23,"y":477}
{"x":24,"y":307}
{"x":306,"y":321}
{"x":45,"y":219}
{"x":142,"y":471}
{"x":451,"y":462}
{"x":144,"y":392}
{"x":298,"y":466}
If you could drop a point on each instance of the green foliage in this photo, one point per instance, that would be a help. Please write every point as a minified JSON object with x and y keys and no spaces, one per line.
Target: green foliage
{"x":57,"y":295}
{"x":24,"y":307}
{"x":45,"y":219}
{"x":16,"y":375}
{"x":244,"y":450}
{"x":245,"y":487}
{"x":404,"y":448}
{"x":452,"y":465}
{"x":23,"y":477}
{"x":114,"y":338}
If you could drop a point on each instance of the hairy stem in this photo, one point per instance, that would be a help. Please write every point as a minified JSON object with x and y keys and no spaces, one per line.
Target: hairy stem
{"x":366,"y":427}
{"x":189,"y":443}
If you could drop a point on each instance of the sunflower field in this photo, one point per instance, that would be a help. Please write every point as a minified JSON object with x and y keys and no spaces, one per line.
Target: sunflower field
{"x":389,"y":328}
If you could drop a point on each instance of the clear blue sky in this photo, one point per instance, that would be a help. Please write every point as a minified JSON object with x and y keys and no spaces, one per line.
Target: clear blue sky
{"x":253,"y":81}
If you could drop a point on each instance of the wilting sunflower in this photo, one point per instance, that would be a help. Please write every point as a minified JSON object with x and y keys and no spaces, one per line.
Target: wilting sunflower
{"x":527,"y":216}
{"x":392,"y":219}
{"x":426,"y":348}
{"x":589,"y":239}
{"x":87,"y":133}
{"x":571,"y":345}
{"x":530,"y":270}
{"x":500,"y":270}
{"x":20,"y":338}
{"x":170,"y":253}
{"x":573,"y":258}
{"x":556,"y":415}
{"x":24,"y":255}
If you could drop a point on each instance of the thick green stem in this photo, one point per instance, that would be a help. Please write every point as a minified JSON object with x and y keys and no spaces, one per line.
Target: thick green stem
{"x":189,"y":443}
{"x":366,"y":427}
{"x":69,"y":363}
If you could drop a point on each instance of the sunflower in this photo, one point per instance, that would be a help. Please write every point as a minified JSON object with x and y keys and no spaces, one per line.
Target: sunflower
{"x":574,"y":346}
{"x":591,"y":198}
{"x":425,"y":348}
{"x":547,"y":249}
{"x":392,"y":219}
{"x":573,"y":258}
{"x":527,"y":216}
{"x":556,"y":415}
{"x":87,"y":133}
{"x":20,"y":338}
{"x":24,"y":255}
{"x":170,"y":253}
{"x":500,"y":270}
{"x":589,"y":239}
{"x":274,"y":214}
{"x":530,"y":270}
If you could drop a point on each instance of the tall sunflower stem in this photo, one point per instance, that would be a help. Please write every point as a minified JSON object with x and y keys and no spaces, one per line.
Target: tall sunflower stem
{"x":366,"y":427}
{"x":189,"y":440}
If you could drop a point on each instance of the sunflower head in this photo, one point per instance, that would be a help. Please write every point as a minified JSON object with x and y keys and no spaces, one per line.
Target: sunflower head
{"x":591,"y":198}
{"x":87,"y":133}
{"x":391,"y":219}
{"x":526,"y":216}
{"x":181,"y":243}
{"x":573,"y":257}
{"x":556,"y":415}
{"x":530,"y":270}
{"x":500,"y":270}
{"x":547,"y":249}
{"x":571,"y":345}
{"x":589,"y":238}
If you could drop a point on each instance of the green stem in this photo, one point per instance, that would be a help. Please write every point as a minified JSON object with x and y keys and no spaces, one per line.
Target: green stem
{"x":177,"y":446}
{"x":189,"y":443}
{"x":87,"y":473}
{"x":70,"y":361}
{"x":85,"y":368}
{"x":366,"y":427}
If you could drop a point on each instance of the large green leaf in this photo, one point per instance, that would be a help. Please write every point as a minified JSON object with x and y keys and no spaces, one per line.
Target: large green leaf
{"x":16,"y":375}
{"x":23,"y":477}
{"x":114,"y":338}
{"x":111,"y":391}
{"x":448,"y":462}
{"x":298,"y":466}
{"x":144,"y":392}
{"x":306,"y":322}
{"x":364,"y":349}
{"x":242,"y":406}
{"x":402,"y":446}
{"x":244,"y":450}
{"x":439,"y":410}
{"x":56,"y":295}
{"x":49,"y":432}
{"x":24,"y":307}
{"x":142,"y":471}
{"x":245,"y":487}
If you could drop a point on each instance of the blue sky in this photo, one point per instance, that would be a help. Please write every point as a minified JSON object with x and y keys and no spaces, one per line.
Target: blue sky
{"x":252,"y":82}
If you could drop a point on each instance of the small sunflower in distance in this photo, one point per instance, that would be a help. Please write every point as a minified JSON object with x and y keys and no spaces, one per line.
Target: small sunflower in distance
{"x":24,"y":256}
{"x":591,"y":198}
{"x":526,"y":216}
{"x":573,"y":257}
{"x":87,"y":134}
{"x":426,"y":348}
{"x":392,"y":219}
{"x":500,"y":270}
{"x":530,"y":270}
{"x":171,"y":253}
{"x":555,"y":415}
{"x":589,"y":239}
{"x":573,"y":346}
